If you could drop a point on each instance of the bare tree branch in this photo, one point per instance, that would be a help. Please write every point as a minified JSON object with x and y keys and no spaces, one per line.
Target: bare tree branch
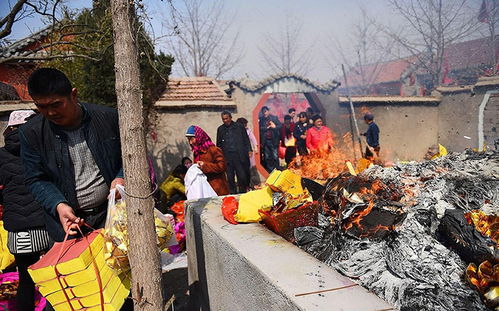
{"x":286,"y":52}
{"x":365,"y":54}
{"x":7,"y":21}
{"x":202,"y":43}
{"x":433,"y":25}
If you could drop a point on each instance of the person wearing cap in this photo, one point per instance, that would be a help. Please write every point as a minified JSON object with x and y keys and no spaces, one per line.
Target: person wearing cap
{"x":71,"y":154}
{"x":319,"y":137}
{"x":372,"y":136}
{"x":209,"y":158}
{"x":27,"y":238}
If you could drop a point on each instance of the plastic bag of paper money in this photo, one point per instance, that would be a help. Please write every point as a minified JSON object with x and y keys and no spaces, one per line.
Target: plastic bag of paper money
{"x":116,"y":232}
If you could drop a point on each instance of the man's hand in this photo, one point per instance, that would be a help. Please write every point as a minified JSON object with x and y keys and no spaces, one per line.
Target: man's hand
{"x":68,"y":219}
{"x":271,"y":125}
{"x":200,"y":164}
{"x":117,"y":181}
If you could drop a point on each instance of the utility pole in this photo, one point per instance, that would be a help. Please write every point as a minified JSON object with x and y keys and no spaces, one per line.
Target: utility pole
{"x":143,"y":253}
{"x":352,"y":111}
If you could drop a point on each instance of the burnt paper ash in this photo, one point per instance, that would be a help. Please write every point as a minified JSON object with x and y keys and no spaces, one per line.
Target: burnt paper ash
{"x":410,"y":268}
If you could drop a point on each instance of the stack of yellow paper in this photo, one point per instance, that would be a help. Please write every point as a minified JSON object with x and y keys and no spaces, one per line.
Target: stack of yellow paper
{"x":74,"y":277}
{"x":251,"y":202}
{"x":285,"y":181}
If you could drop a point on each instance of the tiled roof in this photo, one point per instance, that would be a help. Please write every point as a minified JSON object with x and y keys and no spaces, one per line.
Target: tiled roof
{"x":390,"y":100}
{"x":18,"y":48}
{"x":468,"y":54}
{"x":193,"y":92}
{"x":257,"y":86}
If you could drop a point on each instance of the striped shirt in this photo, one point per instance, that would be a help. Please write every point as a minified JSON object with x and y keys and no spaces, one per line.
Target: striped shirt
{"x":91,"y":188}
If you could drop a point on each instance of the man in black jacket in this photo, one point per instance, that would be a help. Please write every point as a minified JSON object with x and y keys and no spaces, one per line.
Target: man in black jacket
{"x":270,"y":134}
{"x":234,"y":142}
{"x":23,"y":217}
{"x":71,"y":154}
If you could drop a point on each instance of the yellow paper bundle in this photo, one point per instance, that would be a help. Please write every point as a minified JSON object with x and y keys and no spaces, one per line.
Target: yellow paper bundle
{"x":80,"y":276}
{"x":116,"y":235}
{"x":251,"y":202}
{"x":285,"y":181}
{"x":6,"y":258}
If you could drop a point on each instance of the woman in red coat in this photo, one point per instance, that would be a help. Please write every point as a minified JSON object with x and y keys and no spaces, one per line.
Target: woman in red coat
{"x":319,"y":137}
{"x":209,"y":158}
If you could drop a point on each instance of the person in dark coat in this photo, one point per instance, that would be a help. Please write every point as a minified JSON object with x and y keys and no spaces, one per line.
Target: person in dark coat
{"x":23,"y":217}
{"x":71,"y":154}
{"x":234,"y":142}
{"x":288,"y":141}
{"x":300,"y":133}
{"x":270,"y":133}
{"x":209,"y":158}
{"x":372,"y":136}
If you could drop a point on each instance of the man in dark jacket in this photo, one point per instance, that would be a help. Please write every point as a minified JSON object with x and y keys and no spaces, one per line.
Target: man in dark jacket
{"x":372,"y":136}
{"x":71,"y":154}
{"x":23,"y":217}
{"x":234,"y":142}
{"x":270,"y":133}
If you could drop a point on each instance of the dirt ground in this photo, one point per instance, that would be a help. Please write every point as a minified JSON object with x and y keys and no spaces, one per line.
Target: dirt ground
{"x":176,"y":283}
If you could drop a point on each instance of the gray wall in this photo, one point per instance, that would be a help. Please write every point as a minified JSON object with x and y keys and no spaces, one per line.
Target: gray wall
{"x":458,"y":117}
{"x":406,"y":130}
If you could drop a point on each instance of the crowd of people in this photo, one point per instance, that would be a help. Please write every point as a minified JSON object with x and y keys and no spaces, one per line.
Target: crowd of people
{"x":59,"y":165}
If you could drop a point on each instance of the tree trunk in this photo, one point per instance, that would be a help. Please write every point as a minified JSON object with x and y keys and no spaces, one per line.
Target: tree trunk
{"x":143,"y":253}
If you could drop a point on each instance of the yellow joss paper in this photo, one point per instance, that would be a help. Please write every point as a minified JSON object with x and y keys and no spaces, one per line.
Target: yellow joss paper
{"x":285,"y":181}
{"x":74,"y":275}
{"x":6,"y":258}
{"x":251,"y":202}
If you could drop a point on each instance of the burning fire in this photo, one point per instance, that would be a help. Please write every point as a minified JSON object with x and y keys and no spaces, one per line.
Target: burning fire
{"x":485,"y":279}
{"x":325,"y":164}
{"x":487,"y":225}
{"x":362,"y":207}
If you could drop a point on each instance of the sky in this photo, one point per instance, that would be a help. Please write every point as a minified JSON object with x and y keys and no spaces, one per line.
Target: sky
{"x":321,"y":20}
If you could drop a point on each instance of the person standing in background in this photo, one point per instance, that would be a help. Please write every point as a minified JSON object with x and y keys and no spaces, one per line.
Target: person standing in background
{"x":270,"y":133}
{"x":209,"y":158}
{"x":253,"y":173}
{"x":233,"y":139}
{"x":319,"y":137}
{"x":372,"y":136}
{"x":292,"y":114}
{"x":300,"y":133}
{"x":288,"y":141}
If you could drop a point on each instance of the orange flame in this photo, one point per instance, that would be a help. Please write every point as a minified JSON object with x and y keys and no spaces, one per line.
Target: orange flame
{"x":322,"y":165}
{"x":487,"y":225}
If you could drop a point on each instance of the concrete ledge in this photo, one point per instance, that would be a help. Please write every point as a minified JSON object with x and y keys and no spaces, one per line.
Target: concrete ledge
{"x":247,"y":267}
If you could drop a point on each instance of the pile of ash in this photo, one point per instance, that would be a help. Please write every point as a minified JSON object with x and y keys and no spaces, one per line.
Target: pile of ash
{"x":419,"y":261}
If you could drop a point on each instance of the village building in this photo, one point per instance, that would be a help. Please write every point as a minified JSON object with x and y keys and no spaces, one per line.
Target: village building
{"x":463,"y":64}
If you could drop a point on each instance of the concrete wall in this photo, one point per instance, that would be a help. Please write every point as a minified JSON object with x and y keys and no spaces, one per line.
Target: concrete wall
{"x":170,"y":145}
{"x":406,"y":130}
{"x":458,"y":117}
{"x":246,"y":267}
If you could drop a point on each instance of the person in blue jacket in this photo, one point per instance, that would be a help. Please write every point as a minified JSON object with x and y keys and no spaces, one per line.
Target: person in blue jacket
{"x":372,"y":136}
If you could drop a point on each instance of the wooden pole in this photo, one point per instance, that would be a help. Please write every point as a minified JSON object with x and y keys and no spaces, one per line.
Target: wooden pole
{"x":352,"y":111}
{"x":143,"y":253}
